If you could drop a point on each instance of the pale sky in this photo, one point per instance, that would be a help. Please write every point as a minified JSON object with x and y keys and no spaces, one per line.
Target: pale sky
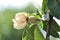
{"x":18,"y":3}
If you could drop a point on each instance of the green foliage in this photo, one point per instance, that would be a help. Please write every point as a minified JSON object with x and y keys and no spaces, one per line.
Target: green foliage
{"x":55,"y":26}
{"x":37,"y":34}
{"x":24,"y":35}
{"x":29,"y":33}
{"x":54,"y":7}
{"x":54,"y":34}
{"x":54,"y":29}
{"x":44,"y":6}
{"x":32,"y":33}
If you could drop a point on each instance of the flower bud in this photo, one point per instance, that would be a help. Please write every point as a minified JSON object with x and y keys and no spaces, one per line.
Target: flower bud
{"x":32,"y":19}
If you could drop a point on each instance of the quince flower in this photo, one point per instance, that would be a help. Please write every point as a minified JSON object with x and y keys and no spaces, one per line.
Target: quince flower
{"x":20,"y":20}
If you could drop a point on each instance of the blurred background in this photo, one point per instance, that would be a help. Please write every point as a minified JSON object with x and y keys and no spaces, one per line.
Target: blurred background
{"x":8,"y":9}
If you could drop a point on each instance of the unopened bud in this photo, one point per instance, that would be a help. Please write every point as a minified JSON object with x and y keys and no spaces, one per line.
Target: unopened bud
{"x":32,"y":19}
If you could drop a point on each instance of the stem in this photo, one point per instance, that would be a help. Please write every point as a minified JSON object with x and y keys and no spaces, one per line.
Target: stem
{"x":49,"y":27}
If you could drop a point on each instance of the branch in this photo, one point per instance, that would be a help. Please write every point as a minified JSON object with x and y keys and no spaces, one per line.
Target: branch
{"x":49,"y":27}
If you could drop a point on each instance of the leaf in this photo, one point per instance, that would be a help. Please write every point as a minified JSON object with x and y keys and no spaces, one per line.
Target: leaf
{"x":54,"y":29}
{"x":29,"y":33}
{"x":37,"y":34}
{"x":54,"y":7}
{"x":37,"y":16}
{"x":24,"y":35}
{"x":55,"y":26}
{"x":44,"y":6}
{"x":42,"y":24}
{"x":38,"y":13}
{"x":32,"y":33}
{"x":54,"y":34}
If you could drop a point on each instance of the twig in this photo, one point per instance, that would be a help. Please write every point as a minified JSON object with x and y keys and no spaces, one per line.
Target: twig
{"x":49,"y":27}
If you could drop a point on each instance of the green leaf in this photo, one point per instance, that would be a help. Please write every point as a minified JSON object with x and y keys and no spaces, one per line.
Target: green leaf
{"x":24,"y":35}
{"x":54,"y":34}
{"x":37,"y":16}
{"x":38,"y":13}
{"x":29,"y":33}
{"x":54,"y":8}
{"x":55,"y":26}
{"x":42,"y":24}
{"x":44,"y":6}
{"x":37,"y":34}
{"x":32,"y":33}
{"x":54,"y":29}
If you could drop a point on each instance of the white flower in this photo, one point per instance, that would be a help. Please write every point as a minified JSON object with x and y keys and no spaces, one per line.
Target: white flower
{"x":20,"y":20}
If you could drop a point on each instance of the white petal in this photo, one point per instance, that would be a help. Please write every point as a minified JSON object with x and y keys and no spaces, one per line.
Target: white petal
{"x":20,"y":20}
{"x":19,"y":26}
